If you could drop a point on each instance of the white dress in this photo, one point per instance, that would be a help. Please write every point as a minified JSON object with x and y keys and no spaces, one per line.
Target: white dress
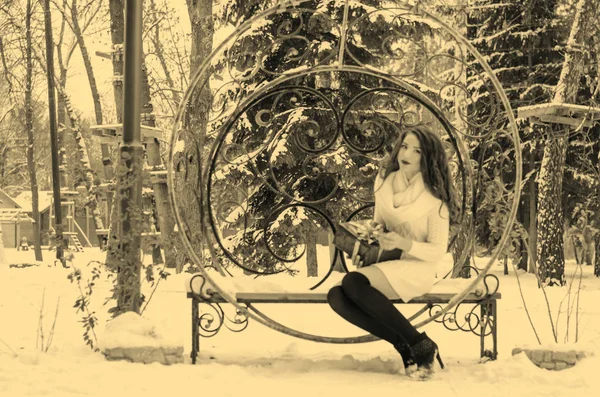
{"x":416,"y":214}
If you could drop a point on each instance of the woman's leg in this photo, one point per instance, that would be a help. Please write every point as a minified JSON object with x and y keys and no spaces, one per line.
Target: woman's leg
{"x":357,"y":287}
{"x":348,"y":310}
{"x":416,"y":349}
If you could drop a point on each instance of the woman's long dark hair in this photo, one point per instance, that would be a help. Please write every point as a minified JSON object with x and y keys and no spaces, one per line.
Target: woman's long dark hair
{"x":434,"y":167}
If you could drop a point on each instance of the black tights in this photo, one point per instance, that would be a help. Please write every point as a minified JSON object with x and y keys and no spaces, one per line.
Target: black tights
{"x":367,"y":308}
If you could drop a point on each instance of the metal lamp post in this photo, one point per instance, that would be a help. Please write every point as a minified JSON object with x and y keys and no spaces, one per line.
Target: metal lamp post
{"x":130,"y":165}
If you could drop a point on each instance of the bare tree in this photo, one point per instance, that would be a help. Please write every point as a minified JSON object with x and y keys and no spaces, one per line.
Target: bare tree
{"x":64,"y":107}
{"x":37,"y":235}
{"x":12,"y":164}
{"x":198,"y":107}
{"x":159,"y":51}
{"x":87,"y":62}
{"x":4,"y":138}
{"x":8,"y":138}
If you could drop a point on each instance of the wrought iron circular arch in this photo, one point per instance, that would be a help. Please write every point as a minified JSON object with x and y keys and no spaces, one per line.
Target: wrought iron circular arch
{"x":187,"y":145}
{"x":275,"y":87}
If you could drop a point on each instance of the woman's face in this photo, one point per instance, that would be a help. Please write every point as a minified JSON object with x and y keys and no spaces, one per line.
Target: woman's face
{"x":409,"y":156}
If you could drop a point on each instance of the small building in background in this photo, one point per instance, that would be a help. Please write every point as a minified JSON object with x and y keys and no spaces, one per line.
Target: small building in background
{"x":15,"y":221}
{"x":44,"y":201}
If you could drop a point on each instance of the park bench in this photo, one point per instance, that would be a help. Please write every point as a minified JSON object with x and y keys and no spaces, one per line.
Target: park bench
{"x":482,"y":322}
{"x":278,"y":139}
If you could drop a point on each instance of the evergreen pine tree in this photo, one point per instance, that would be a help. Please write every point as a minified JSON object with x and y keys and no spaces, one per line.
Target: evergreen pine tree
{"x":522,"y":44}
{"x":285,"y":41}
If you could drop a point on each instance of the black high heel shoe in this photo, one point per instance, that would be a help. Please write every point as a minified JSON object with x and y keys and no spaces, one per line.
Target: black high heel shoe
{"x":425,"y":351}
{"x":408,"y":357}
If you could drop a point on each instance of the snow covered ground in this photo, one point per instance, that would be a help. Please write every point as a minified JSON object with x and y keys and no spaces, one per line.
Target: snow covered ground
{"x":263,"y":362}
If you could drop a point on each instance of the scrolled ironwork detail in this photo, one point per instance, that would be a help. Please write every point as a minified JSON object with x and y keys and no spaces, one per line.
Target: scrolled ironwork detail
{"x":464,"y":316}
{"x":210,"y":324}
{"x":399,"y":49}
{"x":213,"y":318}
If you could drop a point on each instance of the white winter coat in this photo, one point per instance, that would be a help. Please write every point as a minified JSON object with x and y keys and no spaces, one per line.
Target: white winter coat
{"x":414,"y":213}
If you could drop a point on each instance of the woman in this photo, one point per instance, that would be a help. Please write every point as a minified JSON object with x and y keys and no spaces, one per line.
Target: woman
{"x":415,"y":201}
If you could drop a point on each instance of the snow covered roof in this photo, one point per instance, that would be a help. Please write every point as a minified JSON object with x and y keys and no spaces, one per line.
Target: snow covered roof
{"x":24,"y":200}
{"x":6,"y":201}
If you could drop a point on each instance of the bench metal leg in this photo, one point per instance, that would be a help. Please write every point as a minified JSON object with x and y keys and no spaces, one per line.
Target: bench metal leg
{"x":488,"y":319}
{"x":482,"y":328}
{"x":195,"y":331}
{"x":494,"y":329}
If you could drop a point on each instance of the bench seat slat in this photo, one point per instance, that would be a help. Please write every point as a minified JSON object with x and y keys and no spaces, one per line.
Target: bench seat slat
{"x":312,"y":297}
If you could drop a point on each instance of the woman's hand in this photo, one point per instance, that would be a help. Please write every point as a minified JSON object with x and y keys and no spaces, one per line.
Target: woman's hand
{"x":357,"y":261}
{"x":392,"y":240}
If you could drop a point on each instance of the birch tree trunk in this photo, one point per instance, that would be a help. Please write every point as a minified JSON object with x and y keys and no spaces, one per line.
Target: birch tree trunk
{"x":550,"y":244}
{"x":550,"y":247}
{"x":37,"y":236}
{"x":201,"y":20}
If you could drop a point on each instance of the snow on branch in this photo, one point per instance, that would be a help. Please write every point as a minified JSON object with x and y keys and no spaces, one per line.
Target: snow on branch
{"x":547,"y":88}
{"x":484,"y":39}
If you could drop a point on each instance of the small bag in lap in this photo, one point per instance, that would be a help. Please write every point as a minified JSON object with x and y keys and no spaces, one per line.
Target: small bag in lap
{"x":356,"y":238}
